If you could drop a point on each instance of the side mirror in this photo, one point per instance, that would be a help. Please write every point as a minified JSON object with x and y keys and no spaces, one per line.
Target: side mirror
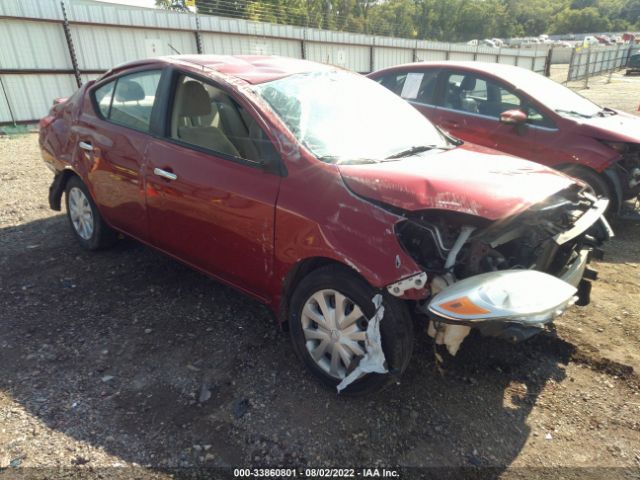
{"x":513,"y":117}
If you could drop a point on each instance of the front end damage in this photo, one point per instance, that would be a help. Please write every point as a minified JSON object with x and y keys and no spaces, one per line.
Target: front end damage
{"x":508,"y":278}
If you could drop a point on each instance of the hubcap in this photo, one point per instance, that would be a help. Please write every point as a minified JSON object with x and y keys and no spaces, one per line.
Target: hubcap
{"x":80,"y":213}
{"x":335,"y":331}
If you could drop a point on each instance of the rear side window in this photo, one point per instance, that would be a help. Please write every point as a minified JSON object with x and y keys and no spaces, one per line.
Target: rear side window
{"x":413,"y":86}
{"x":129,"y":100}
{"x":104,"y":95}
{"x":393,"y":82}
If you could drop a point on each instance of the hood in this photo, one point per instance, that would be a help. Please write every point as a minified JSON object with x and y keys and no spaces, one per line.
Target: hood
{"x":622,"y":127}
{"x":467,"y":179}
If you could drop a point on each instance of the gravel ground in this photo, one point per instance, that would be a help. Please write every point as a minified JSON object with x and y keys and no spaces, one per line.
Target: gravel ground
{"x":125,"y":358}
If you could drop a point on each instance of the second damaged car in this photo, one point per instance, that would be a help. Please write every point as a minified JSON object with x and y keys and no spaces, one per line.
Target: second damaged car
{"x":327,"y":197}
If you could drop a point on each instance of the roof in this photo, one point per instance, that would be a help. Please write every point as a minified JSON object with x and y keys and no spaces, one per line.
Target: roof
{"x":250,"y":68}
{"x":502,"y":70}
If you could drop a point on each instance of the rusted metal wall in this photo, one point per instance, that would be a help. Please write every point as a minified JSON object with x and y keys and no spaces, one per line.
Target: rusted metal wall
{"x":37,"y":65}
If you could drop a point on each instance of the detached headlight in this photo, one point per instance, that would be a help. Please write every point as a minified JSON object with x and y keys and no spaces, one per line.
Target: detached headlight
{"x":522,"y":296}
{"x":620,"y":147}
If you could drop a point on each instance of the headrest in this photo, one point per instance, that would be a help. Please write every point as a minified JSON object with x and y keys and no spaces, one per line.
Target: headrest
{"x":468,"y":83}
{"x":129,"y":91}
{"x":195,"y":100}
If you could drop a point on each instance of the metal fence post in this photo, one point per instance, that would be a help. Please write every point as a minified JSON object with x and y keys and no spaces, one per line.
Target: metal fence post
{"x":6,"y":97}
{"x":547,"y":63}
{"x":198,"y":36}
{"x":72,"y":50}
{"x":587,"y":68}
{"x":372,"y":54}
{"x":611,"y":66}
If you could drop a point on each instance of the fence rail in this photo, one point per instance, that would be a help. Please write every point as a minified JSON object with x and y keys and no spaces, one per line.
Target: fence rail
{"x":592,"y":61}
{"x":48,"y":47}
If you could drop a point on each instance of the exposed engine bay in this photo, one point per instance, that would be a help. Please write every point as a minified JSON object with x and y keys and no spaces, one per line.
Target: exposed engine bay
{"x":526,"y":241}
{"x":555,"y":239}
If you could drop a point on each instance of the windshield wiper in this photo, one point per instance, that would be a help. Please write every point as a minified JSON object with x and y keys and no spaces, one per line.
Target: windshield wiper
{"x":413,"y":150}
{"x":572,"y":112}
{"x":347,"y":161}
{"x":605,"y":112}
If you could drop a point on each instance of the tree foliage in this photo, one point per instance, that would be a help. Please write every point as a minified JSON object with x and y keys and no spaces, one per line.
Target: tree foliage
{"x":450,"y":20}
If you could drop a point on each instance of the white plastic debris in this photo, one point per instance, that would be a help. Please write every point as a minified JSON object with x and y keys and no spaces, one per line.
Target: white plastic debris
{"x":449,"y":335}
{"x":373,"y":360}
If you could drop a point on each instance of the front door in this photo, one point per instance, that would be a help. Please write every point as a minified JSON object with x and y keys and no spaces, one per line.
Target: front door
{"x":470,"y":109}
{"x":210,"y":202}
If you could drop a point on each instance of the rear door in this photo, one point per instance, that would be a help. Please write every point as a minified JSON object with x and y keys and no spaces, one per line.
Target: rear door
{"x":210,"y":200}
{"x":112,"y":144}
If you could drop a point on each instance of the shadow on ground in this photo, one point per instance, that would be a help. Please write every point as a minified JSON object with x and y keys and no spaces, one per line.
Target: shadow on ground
{"x":132,"y":352}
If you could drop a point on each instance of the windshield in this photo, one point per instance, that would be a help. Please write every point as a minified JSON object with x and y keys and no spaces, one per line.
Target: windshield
{"x":555,"y":96}
{"x":344,"y":117}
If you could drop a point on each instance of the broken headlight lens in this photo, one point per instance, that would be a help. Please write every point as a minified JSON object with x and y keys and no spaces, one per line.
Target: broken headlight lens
{"x":522,"y":296}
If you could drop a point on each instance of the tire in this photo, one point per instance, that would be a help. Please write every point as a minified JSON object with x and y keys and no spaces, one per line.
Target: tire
{"x":85,"y":220}
{"x":598,"y":183}
{"x":396,"y":328}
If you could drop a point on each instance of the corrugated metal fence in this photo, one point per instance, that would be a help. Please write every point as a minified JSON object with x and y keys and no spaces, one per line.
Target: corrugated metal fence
{"x":594,"y":60}
{"x":48,"y":46}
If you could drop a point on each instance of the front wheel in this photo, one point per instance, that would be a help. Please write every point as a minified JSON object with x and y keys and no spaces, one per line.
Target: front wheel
{"x":330,"y":312}
{"x":597,"y":182}
{"x":86,"y":222}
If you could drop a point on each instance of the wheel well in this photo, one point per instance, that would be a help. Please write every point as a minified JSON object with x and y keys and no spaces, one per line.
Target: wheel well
{"x":575,"y":171}
{"x":295,"y":276}
{"x":58,"y":187}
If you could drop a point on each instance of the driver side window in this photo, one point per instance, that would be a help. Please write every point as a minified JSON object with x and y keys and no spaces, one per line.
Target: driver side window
{"x":205,"y":116}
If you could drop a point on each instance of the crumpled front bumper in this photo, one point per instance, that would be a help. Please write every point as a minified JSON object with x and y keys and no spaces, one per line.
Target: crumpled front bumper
{"x":516,"y":304}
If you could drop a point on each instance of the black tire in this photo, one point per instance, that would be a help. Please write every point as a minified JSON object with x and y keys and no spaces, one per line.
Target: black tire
{"x":593,"y":179}
{"x":598,"y":184}
{"x":396,"y":326}
{"x":101,"y":235}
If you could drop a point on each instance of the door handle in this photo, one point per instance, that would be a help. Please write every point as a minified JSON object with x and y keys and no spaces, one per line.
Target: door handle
{"x":86,"y":146}
{"x":164,"y":174}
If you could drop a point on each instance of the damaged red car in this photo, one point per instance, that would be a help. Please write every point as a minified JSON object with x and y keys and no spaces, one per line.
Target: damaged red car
{"x":327,"y":197}
{"x":523,"y":113}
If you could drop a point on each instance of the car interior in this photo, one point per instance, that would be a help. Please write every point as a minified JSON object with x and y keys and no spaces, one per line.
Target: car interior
{"x":206,"y":117}
{"x":469,"y":93}
{"x":131,"y":106}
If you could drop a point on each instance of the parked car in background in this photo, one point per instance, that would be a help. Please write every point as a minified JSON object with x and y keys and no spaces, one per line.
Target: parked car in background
{"x":327,"y":197}
{"x":522,"y":113}
{"x":633,"y":65}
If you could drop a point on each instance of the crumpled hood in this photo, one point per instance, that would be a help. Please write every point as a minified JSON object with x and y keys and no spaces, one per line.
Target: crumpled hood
{"x":622,"y":127}
{"x":468,"y":179}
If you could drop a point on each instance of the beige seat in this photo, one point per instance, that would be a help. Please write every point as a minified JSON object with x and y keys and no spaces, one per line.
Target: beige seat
{"x":192,"y":120}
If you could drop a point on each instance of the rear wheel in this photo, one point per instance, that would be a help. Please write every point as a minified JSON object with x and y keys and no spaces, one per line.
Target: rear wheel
{"x":330,"y":312}
{"x":86,"y":222}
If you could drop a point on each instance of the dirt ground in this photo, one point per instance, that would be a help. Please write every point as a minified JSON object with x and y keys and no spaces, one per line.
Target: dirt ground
{"x":126,"y":358}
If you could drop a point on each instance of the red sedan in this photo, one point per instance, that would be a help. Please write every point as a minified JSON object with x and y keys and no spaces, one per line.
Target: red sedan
{"x":327,"y":197}
{"x":528,"y":115}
